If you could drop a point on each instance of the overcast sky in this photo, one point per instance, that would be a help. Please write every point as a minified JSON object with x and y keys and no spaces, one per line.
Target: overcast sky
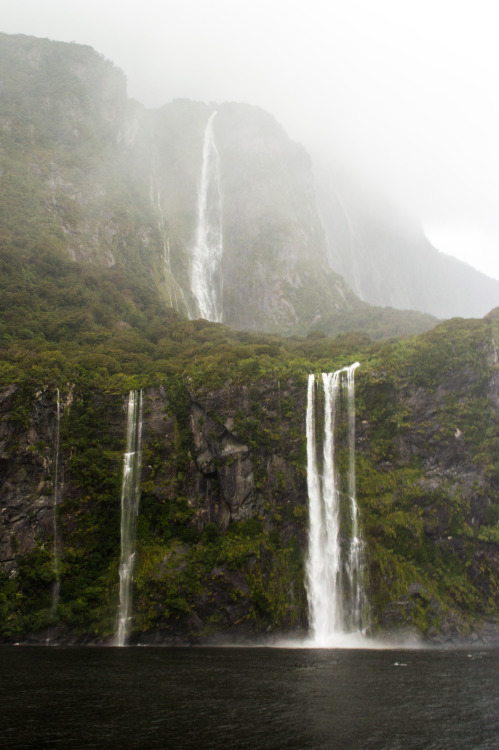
{"x":406,"y":90}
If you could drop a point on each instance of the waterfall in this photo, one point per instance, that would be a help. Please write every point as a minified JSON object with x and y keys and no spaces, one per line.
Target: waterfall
{"x":57,"y":582}
{"x":355,"y":553}
{"x":130,"y":496}
{"x":206,"y":277}
{"x":171,"y":286}
{"x":335,"y":558}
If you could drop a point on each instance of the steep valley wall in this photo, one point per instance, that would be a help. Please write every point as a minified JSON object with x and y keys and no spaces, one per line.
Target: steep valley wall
{"x":222,"y":525}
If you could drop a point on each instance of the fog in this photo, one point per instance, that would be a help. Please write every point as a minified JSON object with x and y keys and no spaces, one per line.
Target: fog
{"x":404,"y":92}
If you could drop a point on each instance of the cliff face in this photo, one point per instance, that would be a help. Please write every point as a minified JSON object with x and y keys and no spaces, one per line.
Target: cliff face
{"x":222,"y":527}
{"x":110,"y":183}
{"x":25,"y":473}
{"x":221,"y":513}
{"x":435,"y":446}
{"x":274,"y":267}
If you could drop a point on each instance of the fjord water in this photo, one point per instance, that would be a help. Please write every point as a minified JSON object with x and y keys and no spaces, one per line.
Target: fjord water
{"x":254,"y":698}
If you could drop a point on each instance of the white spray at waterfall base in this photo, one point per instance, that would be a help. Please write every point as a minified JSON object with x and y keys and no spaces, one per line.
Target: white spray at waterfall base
{"x":206,"y":276}
{"x":335,"y":564}
{"x":130,"y":496}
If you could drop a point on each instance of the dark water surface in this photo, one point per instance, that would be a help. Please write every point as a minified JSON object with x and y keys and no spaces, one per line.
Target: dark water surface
{"x":260,"y":699}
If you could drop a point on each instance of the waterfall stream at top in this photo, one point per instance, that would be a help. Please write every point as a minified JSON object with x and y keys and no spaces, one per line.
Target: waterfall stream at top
{"x":206,"y":276}
{"x":335,"y":559}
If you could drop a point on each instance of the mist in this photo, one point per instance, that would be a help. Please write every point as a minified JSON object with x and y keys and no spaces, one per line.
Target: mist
{"x":402,"y":94}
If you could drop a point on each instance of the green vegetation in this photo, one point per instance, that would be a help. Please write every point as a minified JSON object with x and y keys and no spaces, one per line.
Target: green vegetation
{"x":177,"y":583}
{"x":426,"y":546}
{"x":376,"y":322}
{"x":427,"y":411}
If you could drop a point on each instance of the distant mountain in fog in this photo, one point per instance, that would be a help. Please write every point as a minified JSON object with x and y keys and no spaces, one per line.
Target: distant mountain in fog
{"x":386,"y":258}
{"x":91,"y":174}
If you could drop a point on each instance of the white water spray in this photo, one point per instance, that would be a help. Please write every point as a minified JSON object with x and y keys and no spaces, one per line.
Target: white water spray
{"x":56,"y":588}
{"x":206,"y":276}
{"x":130,"y":496}
{"x":335,"y":559}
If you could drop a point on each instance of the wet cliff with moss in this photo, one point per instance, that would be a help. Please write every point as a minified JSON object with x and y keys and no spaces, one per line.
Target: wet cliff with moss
{"x":97,"y":221}
{"x":222,"y":525}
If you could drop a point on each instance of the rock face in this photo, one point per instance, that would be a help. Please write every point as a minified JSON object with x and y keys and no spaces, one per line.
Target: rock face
{"x":222,"y":527}
{"x":115,"y":184}
{"x":204,"y":470}
{"x":434,"y":474}
{"x":26,"y":461}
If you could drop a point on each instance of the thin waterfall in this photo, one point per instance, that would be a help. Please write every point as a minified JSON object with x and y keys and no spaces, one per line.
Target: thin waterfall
{"x":206,"y":276}
{"x":130,"y":496}
{"x":356,"y":552}
{"x":335,"y":558}
{"x":316,"y":572}
{"x":56,"y":588}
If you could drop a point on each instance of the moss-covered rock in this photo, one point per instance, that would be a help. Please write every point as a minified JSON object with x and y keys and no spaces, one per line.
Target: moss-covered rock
{"x":222,"y":526}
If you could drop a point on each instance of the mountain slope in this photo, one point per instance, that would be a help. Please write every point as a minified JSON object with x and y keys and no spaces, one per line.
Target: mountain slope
{"x":89,"y":174}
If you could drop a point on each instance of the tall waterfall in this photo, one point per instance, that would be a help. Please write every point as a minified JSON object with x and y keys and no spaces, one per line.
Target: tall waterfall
{"x":130,"y":496}
{"x":56,"y":587}
{"x":335,"y":559}
{"x":206,"y":276}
